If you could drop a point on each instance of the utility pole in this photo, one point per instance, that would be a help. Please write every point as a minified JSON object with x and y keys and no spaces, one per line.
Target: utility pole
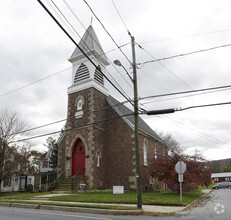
{"x":138,"y":185}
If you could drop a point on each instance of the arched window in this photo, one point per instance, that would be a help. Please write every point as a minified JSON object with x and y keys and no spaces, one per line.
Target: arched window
{"x":98,"y":159}
{"x":79,"y":105}
{"x":145,"y":153}
{"x":82,"y":73}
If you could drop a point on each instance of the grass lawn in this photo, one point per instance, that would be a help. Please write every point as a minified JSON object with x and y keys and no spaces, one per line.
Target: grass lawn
{"x":209,"y":187}
{"x":22,"y":196}
{"x":160,"y":198}
{"x":148,"y":198}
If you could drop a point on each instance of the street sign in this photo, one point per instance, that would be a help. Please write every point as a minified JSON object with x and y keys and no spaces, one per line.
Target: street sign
{"x":180,"y":167}
{"x":180,"y":178}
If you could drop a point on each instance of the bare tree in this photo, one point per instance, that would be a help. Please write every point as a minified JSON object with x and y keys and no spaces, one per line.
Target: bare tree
{"x":11,"y":127}
{"x":173,"y":145}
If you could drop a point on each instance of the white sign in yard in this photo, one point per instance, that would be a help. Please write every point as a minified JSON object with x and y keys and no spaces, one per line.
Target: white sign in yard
{"x":118,"y":189}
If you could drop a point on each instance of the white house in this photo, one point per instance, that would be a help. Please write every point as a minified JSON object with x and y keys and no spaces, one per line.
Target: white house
{"x":17,"y":184}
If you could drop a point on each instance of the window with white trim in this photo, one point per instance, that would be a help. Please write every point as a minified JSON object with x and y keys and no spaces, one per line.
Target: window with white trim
{"x":155,"y":153}
{"x":7,"y":182}
{"x":145,"y":153}
{"x":79,"y":108}
{"x":79,"y":105}
{"x":98,"y":159}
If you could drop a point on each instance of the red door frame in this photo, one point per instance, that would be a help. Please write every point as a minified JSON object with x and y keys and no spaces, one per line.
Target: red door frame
{"x":78,"y":158}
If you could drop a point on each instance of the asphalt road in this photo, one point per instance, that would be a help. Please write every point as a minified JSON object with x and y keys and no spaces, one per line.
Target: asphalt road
{"x":7,"y":213}
{"x":216,"y":206}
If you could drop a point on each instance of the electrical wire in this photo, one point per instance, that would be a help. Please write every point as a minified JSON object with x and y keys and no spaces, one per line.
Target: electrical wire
{"x":71,"y":129}
{"x":47,"y":77}
{"x":191,"y":91}
{"x":74,"y":14}
{"x":120,"y":16}
{"x":70,"y":118}
{"x":185,"y":54}
{"x":203,"y":106}
{"x":213,"y":140}
{"x":107,"y":31}
{"x":184,"y":96}
{"x":174,"y":74}
{"x":186,"y":36}
{"x":57,"y":22}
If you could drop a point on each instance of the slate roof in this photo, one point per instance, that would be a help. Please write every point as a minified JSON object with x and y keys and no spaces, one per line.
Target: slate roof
{"x":123,"y":110}
{"x":89,"y":43}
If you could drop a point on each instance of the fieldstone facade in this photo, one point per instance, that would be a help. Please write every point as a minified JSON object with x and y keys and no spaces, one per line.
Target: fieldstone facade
{"x":107,"y":136}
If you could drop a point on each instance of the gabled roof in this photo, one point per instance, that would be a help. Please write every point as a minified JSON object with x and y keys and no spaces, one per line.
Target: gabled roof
{"x":89,"y":43}
{"x":129,"y":119}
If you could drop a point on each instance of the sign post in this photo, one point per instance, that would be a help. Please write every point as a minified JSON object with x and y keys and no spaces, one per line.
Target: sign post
{"x":180,"y":168}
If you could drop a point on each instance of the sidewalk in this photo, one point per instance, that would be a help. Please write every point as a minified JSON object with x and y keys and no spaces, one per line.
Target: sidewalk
{"x":146,"y":209}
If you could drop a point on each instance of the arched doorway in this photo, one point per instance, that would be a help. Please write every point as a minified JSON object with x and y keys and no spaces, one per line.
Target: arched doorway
{"x":78,"y":158}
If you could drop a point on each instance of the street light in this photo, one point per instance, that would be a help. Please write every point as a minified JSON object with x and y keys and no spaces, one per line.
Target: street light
{"x":118,"y":63}
{"x":134,"y":80}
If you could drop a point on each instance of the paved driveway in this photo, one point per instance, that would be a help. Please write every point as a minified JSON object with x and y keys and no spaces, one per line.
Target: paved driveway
{"x":216,"y":206}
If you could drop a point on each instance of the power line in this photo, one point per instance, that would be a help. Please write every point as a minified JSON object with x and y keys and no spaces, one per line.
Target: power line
{"x":106,"y":31}
{"x":203,"y":106}
{"x":185,"y":36}
{"x":185,"y":54}
{"x":121,"y":89}
{"x":172,"y":110}
{"x":174,"y":74}
{"x":191,"y":91}
{"x":57,"y":22}
{"x":120,"y":16}
{"x":211,"y":139}
{"x":74,"y":14}
{"x":49,"y":76}
{"x":70,"y":129}
{"x":183,"y":96}
{"x":72,"y":117}
{"x":15,"y":90}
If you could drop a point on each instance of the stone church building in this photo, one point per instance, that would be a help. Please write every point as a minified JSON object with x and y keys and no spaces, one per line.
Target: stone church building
{"x":98,"y":142}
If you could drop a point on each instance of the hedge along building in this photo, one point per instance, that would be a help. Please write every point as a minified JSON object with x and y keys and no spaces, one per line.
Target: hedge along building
{"x":98,"y":142}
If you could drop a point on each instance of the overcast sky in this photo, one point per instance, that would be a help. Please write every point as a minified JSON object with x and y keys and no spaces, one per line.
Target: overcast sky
{"x":35,"y":72}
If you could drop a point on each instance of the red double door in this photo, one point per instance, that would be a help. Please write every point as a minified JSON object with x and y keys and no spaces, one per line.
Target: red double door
{"x":78,"y":158}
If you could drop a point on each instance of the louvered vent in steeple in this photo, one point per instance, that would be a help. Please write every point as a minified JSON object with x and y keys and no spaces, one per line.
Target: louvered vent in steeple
{"x":98,"y":76}
{"x":82,"y":73}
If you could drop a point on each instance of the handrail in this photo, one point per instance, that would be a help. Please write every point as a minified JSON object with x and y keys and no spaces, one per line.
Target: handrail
{"x":76,"y":177}
{"x":60,"y":178}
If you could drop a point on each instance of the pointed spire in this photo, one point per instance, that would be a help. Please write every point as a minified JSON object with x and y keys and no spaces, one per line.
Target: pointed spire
{"x":89,"y":44}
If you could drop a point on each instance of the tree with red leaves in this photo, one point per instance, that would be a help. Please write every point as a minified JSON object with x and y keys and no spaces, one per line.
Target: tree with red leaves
{"x":196,"y":173}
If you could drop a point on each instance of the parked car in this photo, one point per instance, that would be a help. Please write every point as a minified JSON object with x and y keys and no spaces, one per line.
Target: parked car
{"x":222,"y":185}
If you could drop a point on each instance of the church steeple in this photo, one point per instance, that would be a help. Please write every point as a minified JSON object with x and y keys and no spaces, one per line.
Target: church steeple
{"x":84,"y":73}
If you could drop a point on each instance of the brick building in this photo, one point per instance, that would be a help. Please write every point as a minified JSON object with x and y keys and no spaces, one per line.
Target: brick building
{"x":98,"y":141}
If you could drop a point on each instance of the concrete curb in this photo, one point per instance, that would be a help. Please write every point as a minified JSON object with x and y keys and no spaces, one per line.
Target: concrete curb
{"x":160,"y":214}
{"x":196,"y":202}
{"x":72,"y":209}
